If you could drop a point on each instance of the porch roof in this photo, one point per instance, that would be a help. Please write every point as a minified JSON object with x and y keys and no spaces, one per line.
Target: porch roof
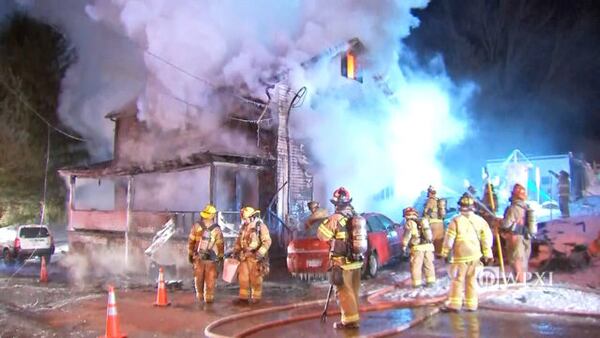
{"x":109,"y":168}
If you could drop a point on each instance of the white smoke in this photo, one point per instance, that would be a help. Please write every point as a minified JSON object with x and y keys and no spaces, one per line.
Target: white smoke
{"x":172,"y":56}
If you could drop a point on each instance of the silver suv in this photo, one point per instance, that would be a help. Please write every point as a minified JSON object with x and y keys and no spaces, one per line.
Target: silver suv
{"x":21,"y":242}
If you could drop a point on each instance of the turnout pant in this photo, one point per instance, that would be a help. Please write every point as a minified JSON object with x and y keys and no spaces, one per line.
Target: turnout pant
{"x":419,"y":261}
{"x":519,"y":250}
{"x":464,"y":276}
{"x":250,"y":279}
{"x":205,"y":279}
{"x":347,"y":295}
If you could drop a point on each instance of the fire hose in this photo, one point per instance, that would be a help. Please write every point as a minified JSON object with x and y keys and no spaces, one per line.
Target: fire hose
{"x":377,"y":305}
{"x":369,"y":308}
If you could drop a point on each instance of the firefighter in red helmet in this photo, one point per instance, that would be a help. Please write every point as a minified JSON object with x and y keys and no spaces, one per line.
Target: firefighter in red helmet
{"x":345,"y":271}
{"x":520,"y":224}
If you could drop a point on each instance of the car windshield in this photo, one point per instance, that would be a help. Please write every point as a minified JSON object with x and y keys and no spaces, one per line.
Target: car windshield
{"x":387,"y":223}
{"x":34,"y":232}
{"x":375,"y":224}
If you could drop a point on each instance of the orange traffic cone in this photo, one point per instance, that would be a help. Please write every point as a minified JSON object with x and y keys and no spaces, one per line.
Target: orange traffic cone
{"x":112,"y":318}
{"x":161,"y":294}
{"x":43,"y":271}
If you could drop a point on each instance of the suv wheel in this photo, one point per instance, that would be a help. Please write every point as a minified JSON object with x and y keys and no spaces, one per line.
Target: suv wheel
{"x":373,"y":265}
{"x":8,"y":261}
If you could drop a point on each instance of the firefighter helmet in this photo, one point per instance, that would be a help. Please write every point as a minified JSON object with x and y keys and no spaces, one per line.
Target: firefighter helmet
{"x":409,"y":212}
{"x":247,"y":212}
{"x":519,"y":193}
{"x":208,"y":212}
{"x":313,"y":205}
{"x":341,"y":197}
{"x":431,"y":191}
{"x":466,"y":202}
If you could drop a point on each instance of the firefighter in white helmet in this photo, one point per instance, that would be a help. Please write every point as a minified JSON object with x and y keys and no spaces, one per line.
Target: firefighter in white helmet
{"x":251,"y":248}
{"x":468,"y":241}
{"x":205,"y":248}
{"x":434,"y":212}
{"x":345,"y":270}
{"x":520,"y":224}
{"x":417,"y":237}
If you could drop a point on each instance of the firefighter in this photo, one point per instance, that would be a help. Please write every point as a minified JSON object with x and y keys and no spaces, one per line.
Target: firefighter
{"x":468,"y":241}
{"x":317,"y":214}
{"x":417,"y":235}
{"x":435,"y":217}
{"x":345,"y":271}
{"x":564,"y":192}
{"x":251,"y":248}
{"x":518,"y":238}
{"x":205,"y":249}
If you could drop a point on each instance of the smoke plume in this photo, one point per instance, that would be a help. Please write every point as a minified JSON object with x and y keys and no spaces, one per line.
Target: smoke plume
{"x":174,"y":58}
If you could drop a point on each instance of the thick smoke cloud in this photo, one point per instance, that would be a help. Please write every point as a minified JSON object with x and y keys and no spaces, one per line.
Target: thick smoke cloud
{"x":172,"y":57}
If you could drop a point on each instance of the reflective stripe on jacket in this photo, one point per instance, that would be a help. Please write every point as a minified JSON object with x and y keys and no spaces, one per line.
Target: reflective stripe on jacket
{"x":334,"y":227}
{"x":468,"y":238}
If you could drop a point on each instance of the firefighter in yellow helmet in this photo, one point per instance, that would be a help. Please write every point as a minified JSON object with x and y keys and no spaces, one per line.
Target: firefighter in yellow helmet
{"x":252,"y":247}
{"x":417,"y":236}
{"x":468,"y":240}
{"x":345,"y":271}
{"x":518,"y":221}
{"x":434,"y":212}
{"x":205,"y":248}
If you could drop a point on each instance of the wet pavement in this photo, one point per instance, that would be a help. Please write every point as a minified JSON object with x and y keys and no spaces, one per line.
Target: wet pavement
{"x":60,"y":309}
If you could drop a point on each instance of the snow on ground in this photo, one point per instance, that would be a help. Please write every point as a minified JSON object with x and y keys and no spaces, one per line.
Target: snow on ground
{"x":546,"y":299}
{"x":438,"y":289}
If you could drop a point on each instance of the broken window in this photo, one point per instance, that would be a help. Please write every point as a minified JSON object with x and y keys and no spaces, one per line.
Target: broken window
{"x":187,"y":190}
{"x":94,"y":194}
{"x":235,"y":187}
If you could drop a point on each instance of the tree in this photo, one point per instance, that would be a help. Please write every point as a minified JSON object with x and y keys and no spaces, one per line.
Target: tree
{"x":34,"y":57}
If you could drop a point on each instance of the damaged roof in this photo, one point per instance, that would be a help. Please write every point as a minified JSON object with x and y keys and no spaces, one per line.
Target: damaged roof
{"x":107,"y":168}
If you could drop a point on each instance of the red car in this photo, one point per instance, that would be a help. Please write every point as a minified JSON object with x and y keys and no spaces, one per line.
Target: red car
{"x":308,"y":256}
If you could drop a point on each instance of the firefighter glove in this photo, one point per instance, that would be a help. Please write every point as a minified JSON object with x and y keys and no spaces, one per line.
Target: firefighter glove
{"x":487,"y":261}
{"x":191,"y":259}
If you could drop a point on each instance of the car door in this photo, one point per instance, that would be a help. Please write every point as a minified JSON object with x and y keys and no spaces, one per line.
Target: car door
{"x":378,"y":238}
{"x":392,"y":235}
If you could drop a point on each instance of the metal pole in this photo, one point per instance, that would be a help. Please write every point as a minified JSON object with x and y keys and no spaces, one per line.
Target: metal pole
{"x":128,"y":218}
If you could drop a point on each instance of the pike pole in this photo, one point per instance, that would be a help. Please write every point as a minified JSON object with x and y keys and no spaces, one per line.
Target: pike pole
{"x":496,"y":233}
{"x":324,"y":314}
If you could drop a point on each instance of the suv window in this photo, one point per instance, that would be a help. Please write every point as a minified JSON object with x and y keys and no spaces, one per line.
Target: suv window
{"x":375,"y":224}
{"x":387,"y":223}
{"x":35,"y":232}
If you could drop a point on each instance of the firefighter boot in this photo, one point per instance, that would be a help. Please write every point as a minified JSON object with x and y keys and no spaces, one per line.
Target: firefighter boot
{"x":340,"y":325}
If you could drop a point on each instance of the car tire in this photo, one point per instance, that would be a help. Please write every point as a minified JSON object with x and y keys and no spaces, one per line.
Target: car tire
{"x":8,"y":261}
{"x":372,"y":265}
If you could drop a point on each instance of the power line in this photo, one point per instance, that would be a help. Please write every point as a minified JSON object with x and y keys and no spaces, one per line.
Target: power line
{"x":33,"y":110}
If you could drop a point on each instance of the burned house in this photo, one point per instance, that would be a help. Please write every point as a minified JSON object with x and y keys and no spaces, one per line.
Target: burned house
{"x":122,"y":203}
{"x":125,"y":201}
